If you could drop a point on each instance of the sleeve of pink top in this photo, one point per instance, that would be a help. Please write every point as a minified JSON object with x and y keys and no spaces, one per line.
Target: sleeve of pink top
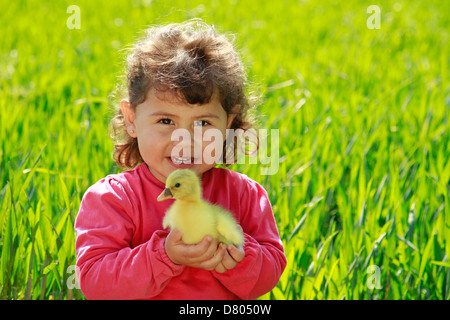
{"x":264,"y":261}
{"x":107,"y":264}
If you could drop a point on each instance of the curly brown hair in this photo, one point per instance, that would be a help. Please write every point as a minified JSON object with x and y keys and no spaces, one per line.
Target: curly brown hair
{"x":192,"y":61}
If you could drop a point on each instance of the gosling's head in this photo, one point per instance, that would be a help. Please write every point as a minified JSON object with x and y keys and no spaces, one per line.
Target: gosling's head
{"x":182,"y":184}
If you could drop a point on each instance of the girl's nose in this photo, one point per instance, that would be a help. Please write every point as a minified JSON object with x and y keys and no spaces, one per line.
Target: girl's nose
{"x":185,"y":139}
{"x":190,"y":130}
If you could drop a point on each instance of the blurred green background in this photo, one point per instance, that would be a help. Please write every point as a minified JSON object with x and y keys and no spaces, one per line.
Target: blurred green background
{"x":363,"y":119}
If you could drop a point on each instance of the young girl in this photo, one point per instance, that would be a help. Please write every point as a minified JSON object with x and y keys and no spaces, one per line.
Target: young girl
{"x":180,"y":76}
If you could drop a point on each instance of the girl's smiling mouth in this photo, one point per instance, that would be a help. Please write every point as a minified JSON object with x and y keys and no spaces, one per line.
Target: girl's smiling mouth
{"x":181,"y":163}
{"x":179,"y":160}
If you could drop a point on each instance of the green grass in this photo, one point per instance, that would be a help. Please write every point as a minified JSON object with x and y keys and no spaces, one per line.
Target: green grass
{"x":363,"y":119}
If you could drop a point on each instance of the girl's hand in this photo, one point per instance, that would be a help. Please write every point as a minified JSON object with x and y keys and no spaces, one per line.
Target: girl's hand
{"x":230,"y":259}
{"x":204,"y":255}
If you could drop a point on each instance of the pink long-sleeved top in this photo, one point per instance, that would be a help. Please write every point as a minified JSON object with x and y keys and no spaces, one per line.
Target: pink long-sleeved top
{"x":120,"y":240}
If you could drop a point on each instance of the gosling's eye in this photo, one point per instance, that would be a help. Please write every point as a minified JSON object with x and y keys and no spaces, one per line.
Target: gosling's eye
{"x":177,"y":185}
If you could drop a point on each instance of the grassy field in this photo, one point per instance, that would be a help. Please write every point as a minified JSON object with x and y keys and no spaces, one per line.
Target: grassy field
{"x":361,"y":196}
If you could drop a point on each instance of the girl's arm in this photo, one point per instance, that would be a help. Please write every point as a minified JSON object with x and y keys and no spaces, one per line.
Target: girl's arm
{"x":264,"y":261}
{"x":109,"y":268}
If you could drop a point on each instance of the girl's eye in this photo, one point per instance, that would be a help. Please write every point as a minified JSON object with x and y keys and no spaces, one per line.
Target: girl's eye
{"x":165,"y":121}
{"x":201,"y":123}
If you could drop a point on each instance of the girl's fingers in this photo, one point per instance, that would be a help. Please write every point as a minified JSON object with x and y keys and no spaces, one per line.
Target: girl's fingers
{"x":211,"y":264}
{"x":204,"y":250}
{"x":220,"y":268}
{"x":237,"y":253}
{"x":231,"y":257}
{"x":228,"y":262}
{"x":175,"y":235}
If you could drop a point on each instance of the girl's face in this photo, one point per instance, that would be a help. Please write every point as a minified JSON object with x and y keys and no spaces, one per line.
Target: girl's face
{"x":153,"y":122}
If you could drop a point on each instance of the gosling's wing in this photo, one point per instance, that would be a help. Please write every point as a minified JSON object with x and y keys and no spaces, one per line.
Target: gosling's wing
{"x":197,"y":223}
{"x":228,"y":228}
{"x":168,"y":218}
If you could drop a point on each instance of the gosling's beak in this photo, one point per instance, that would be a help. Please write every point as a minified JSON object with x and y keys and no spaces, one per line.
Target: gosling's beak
{"x":166,"y":194}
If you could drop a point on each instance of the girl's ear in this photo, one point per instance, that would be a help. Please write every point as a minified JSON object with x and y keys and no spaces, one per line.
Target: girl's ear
{"x":128,"y":115}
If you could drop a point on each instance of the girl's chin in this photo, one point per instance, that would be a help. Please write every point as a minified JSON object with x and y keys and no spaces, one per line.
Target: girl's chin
{"x":165,"y":171}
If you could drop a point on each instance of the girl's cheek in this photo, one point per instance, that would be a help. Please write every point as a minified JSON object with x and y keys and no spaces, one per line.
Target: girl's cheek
{"x":149,"y":140}
{"x":160,"y":133}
